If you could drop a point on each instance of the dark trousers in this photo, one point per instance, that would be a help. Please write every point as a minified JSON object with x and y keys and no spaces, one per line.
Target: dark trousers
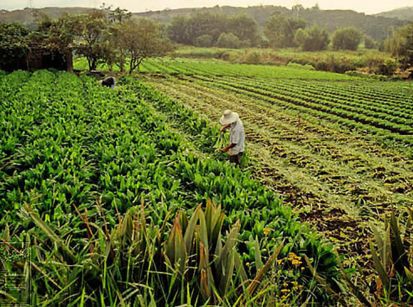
{"x":236,"y":159}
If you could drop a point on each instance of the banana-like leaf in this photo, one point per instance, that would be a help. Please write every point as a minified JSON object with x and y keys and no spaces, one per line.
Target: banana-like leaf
{"x":218,"y":227}
{"x":175,"y":247}
{"x":190,"y":230}
{"x":216,"y":220}
{"x":208,"y":216}
{"x":203,"y":230}
{"x":143,"y":219}
{"x":408,"y":235}
{"x":170,"y":246}
{"x":378,"y":238}
{"x":386,"y":254}
{"x":227,"y":273}
{"x":231,"y":240}
{"x":218,"y":248}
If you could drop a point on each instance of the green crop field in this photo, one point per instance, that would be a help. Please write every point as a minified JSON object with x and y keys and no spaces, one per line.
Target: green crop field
{"x":120,"y":197}
{"x":338,"y":149}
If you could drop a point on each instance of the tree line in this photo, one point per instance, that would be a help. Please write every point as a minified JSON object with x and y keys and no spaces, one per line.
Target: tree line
{"x":116,"y":38}
{"x":205,"y":29}
{"x":375,"y":26}
{"x":102,"y":36}
{"x":280,"y":31}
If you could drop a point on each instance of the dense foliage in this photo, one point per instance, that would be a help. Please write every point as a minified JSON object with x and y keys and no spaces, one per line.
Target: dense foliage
{"x":102,"y":37}
{"x":280,"y":30}
{"x":346,"y":39}
{"x":375,"y":26}
{"x":400,"y":44}
{"x":14,"y":45}
{"x":206,"y":29}
{"x":312,"y":39}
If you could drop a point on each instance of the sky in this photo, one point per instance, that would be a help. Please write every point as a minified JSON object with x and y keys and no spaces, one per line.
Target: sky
{"x":366,"y":6}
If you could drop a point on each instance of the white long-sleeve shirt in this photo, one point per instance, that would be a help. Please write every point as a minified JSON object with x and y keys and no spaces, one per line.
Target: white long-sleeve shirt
{"x":237,"y":136}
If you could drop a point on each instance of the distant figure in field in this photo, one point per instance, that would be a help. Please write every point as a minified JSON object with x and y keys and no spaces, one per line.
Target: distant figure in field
{"x":230,"y":120}
{"x":109,"y":82}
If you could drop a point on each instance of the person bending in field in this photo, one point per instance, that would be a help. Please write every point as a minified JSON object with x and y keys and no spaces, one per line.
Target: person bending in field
{"x":230,"y":120}
{"x":109,"y":82}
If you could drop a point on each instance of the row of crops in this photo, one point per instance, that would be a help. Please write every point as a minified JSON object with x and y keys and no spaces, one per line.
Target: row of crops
{"x":383,"y":110}
{"x":330,"y":147}
{"x":76,"y":158}
{"x":219,"y":68}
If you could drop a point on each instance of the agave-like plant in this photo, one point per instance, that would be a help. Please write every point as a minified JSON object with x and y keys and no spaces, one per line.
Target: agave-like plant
{"x":195,"y":248}
{"x":136,"y":262}
{"x":195,"y":251}
{"x":393,"y":258}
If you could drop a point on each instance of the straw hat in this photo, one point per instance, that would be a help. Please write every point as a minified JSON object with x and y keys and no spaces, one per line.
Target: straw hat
{"x":229,"y":117}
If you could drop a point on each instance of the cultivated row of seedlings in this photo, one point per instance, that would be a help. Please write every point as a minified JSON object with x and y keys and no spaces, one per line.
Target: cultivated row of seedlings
{"x":322,"y":109}
{"x":276,"y":130}
{"x":219,"y":68}
{"x":370,"y":113}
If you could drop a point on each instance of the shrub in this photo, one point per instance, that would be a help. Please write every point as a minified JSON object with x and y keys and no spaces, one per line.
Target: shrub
{"x":312,"y":39}
{"x":228,"y":40}
{"x":346,"y":39}
{"x":205,"y":40}
{"x":253,"y":57}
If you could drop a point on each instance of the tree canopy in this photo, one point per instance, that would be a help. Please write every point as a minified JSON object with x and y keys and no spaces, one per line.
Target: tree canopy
{"x":204,"y":29}
{"x":312,"y":39}
{"x":280,"y":30}
{"x":101,"y":36}
{"x":139,"y":39}
{"x":14,"y":44}
{"x":400,"y":44}
{"x":346,"y":39}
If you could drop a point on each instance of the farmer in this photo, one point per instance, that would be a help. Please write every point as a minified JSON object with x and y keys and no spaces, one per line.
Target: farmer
{"x":109,"y":82}
{"x":230,"y":120}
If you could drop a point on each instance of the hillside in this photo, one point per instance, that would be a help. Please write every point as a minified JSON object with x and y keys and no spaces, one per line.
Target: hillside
{"x":375,"y":26}
{"x":404,"y":13}
{"x":28,"y":16}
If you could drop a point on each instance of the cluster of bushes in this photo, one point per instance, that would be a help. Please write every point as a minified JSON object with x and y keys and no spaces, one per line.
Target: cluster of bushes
{"x":285,"y":32}
{"x":279,"y":31}
{"x":207,"y":30}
